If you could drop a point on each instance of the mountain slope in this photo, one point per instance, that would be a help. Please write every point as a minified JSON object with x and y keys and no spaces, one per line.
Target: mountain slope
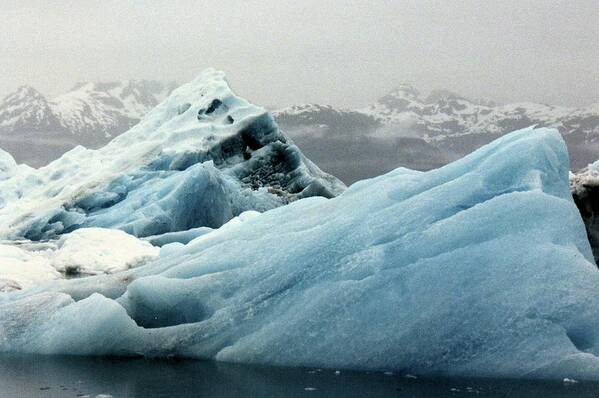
{"x":36,"y":130}
{"x":402,"y":128}
{"x":405,"y":128}
{"x":106,"y":109}
{"x":27,"y":109}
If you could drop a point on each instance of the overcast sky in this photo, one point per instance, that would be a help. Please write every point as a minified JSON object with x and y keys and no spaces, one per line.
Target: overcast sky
{"x":339,"y":52}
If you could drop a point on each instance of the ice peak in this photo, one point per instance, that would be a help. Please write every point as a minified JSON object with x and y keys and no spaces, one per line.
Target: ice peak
{"x":220,"y":154}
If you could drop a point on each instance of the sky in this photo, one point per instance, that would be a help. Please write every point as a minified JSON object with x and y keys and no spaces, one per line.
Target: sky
{"x":278,"y":52}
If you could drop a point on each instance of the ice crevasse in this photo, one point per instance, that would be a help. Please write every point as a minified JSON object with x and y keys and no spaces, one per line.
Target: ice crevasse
{"x":479,"y":268}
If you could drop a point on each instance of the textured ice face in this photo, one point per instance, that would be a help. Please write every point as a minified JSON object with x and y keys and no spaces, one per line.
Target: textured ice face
{"x":585,"y":190}
{"x":479,"y":268}
{"x":198,"y":159}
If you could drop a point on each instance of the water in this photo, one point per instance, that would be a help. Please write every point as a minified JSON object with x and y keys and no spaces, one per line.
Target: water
{"x":51,"y":377}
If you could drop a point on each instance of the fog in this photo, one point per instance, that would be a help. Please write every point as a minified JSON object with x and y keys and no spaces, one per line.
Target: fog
{"x":278,"y":53}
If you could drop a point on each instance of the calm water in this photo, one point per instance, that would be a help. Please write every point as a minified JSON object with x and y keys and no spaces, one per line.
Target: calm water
{"x":49,"y":377}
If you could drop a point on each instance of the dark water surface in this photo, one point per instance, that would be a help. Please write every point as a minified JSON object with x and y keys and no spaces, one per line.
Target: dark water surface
{"x":50,"y":377}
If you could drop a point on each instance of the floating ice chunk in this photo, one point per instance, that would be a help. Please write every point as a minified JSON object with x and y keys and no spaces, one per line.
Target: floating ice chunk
{"x":21,"y":268}
{"x":480,"y":268}
{"x":24,"y":264}
{"x":98,"y":250}
{"x":200,"y":158}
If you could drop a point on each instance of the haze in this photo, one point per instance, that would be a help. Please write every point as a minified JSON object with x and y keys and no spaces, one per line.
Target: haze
{"x":278,"y":53}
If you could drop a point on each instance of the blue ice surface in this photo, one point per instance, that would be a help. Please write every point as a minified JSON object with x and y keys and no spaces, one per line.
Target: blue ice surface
{"x":183,"y":237}
{"x":479,"y":268}
{"x":156,"y":200}
{"x":198,"y":159}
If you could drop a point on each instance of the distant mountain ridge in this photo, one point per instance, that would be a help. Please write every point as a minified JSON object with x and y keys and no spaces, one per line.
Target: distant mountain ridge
{"x":405,"y":128}
{"x":402,"y":128}
{"x":443,"y":113}
{"x":36,"y":130}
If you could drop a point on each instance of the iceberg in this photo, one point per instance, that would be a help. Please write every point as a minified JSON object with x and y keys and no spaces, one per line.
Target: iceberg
{"x":479,"y":268}
{"x":200,"y":158}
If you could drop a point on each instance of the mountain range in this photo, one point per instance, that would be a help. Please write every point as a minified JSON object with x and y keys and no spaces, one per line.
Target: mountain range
{"x":37,"y":130}
{"x":402,"y":128}
{"x":405,"y":128}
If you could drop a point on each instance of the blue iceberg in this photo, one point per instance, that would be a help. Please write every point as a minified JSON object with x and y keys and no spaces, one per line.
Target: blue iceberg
{"x":200,"y":158}
{"x":479,"y":268}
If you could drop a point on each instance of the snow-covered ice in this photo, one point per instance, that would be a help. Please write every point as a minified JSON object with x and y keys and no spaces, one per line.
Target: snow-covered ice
{"x":21,"y":268}
{"x":199,"y":158}
{"x":98,"y":250}
{"x":480,"y":268}
{"x":24,"y":264}
{"x":7,"y":165}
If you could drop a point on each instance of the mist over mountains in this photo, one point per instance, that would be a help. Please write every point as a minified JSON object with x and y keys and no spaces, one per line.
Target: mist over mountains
{"x":402,"y":128}
{"x":405,"y":128}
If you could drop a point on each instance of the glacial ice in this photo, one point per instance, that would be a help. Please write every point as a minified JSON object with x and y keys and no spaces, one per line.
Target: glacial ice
{"x":7,"y":165}
{"x":183,"y":237}
{"x":20,"y":268}
{"x":479,"y":268}
{"x":198,"y":159}
{"x":24,"y":264}
{"x":98,"y":251}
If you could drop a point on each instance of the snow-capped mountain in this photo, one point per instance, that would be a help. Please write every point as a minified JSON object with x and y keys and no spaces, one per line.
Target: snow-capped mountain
{"x":402,"y":128}
{"x":27,"y":109}
{"x":108,"y":108}
{"x":37,"y":130}
{"x":443,"y":113}
{"x":435,"y":129}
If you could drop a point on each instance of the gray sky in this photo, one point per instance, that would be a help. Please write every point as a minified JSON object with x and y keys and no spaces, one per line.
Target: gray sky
{"x":279,"y":52}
